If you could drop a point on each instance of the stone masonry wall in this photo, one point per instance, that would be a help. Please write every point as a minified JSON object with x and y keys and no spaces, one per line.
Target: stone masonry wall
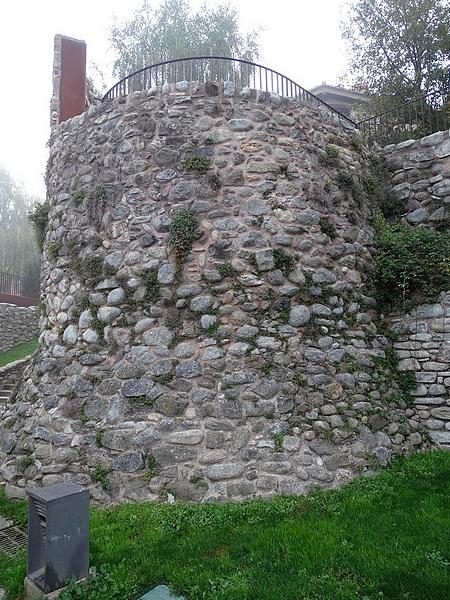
{"x":421,"y":176}
{"x":423,"y":347}
{"x":255,"y":366}
{"x":18,"y":324}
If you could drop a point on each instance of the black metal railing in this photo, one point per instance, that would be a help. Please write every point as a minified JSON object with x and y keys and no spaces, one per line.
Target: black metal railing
{"x":16,"y":285}
{"x":414,"y":119}
{"x":242,"y":73}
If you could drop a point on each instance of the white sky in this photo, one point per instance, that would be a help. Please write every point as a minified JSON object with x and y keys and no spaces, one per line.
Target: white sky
{"x":300,"y":38}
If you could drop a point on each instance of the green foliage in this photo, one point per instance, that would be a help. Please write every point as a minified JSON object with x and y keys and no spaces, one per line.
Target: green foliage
{"x":172,"y":30}
{"x":331,"y":156}
{"x":54,"y":249}
{"x":372,"y":534}
{"x":91,"y":269}
{"x":345,"y":181}
{"x":226,"y":270}
{"x":377,"y":185}
{"x":24,"y":462}
{"x":99,"y":438}
{"x":18,"y":352}
{"x":38,"y":218}
{"x":327,"y":226}
{"x":278,"y":441}
{"x":412,"y":265}
{"x":327,"y":187}
{"x":183,"y":232}
{"x":152,"y":285}
{"x":398,"y":50}
{"x":95,"y":203}
{"x":108,"y":584}
{"x":100,"y":475}
{"x":197,"y":163}
{"x":283,"y":261}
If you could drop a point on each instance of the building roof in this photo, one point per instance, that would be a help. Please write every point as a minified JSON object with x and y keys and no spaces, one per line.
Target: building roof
{"x":339,"y":94}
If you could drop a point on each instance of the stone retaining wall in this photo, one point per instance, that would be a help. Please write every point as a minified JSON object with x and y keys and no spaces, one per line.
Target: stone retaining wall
{"x":423,"y":347}
{"x":421,"y":176}
{"x":250,"y":366}
{"x":18,"y":324}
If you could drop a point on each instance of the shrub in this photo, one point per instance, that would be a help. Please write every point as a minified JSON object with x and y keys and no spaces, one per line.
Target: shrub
{"x":183,"y":232}
{"x":283,"y":261}
{"x":376,"y":184}
{"x":411,"y":266}
{"x":327,"y":226}
{"x":197,"y":163}
{"x":38,"y":218}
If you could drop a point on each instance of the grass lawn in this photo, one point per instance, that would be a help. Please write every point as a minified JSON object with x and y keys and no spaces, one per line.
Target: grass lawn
{"x":383,"y":537}
{"x":18,"y":352}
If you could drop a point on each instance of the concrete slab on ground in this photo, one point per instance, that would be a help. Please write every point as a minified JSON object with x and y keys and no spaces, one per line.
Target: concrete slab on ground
{"x":162,"y":592}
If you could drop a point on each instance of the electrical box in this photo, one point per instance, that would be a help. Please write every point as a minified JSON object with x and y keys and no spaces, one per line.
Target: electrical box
{"x":58,"y":535}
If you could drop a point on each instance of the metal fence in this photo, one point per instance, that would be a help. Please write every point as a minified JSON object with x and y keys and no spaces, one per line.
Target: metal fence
{"x":242,"y":73}
{"x":16,"y":285}
{"x":412,"y":120}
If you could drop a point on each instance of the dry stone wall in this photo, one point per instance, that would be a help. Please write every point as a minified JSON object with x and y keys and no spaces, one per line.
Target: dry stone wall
{"x":423,"y":348}
{"x":18,"y":324}
{"x":207,"y":329}
{"x":421,"y":176}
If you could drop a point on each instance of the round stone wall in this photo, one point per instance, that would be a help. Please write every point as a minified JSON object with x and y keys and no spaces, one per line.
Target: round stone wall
{"x":207,"y":330}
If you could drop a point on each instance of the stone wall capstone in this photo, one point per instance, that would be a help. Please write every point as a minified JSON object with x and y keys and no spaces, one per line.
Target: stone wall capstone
{"x":421,"y":176}
{"x":18,"y":324}
{"x":207,"y":329}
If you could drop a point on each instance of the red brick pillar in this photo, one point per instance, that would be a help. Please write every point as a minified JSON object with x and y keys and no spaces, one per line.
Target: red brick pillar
{"x":69,"y":79}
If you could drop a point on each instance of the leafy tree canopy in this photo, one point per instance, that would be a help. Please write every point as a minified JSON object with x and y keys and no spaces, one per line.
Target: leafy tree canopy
{"x":172,"y":30}
{"x":399,"y":49}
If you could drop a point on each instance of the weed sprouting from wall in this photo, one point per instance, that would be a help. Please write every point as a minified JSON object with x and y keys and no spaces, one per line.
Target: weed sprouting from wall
{"x":183,"y":232}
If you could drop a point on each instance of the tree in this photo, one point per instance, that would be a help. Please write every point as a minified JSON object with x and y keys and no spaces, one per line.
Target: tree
{"x":172,"y":30}
{"x":399,"y":49}
{"x":18,"y":250}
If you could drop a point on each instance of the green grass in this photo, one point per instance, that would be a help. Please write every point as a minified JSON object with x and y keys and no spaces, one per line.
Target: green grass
{"x":383,"y":537}
{"x":18,"y":352}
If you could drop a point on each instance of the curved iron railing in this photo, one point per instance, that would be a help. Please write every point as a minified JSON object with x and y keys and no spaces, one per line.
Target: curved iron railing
{"x":415,"y":119}
{"x":242,"y":73}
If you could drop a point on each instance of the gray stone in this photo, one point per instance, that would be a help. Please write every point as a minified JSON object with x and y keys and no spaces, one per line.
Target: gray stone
{"x":116,"y":296}
{"x":136,"y":387}
{"x":201,"y":304}
{"x":299,"y":315}
{"x":264,"y":260}
{"x":240,"y":124}
{"x":107,"y":314}
{"x":191,"y":437}
{"x":418,"y":216}
{"x":70,"y":335}
{"x":129,"y":461}
{"x":224,"y":471}
{"x":166,"y":273}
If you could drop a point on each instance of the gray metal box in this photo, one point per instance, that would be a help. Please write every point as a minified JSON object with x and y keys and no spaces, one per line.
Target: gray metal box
{"x":58,"y":534}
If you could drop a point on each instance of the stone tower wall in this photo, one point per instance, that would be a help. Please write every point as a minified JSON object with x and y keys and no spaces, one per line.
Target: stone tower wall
{"x":208,"y":331}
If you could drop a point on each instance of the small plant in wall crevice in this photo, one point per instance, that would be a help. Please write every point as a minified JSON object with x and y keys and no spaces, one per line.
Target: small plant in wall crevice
{"x":183,"y":232}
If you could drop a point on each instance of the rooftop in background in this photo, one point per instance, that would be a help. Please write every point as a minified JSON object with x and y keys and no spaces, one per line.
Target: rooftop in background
{"x":340,"y":98}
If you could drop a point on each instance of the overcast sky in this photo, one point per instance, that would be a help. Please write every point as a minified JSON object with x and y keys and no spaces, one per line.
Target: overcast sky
{"x":300,"y":38}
